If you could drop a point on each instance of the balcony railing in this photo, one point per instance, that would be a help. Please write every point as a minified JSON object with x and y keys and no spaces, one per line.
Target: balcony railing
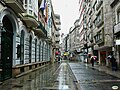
{"x":98,"y":24}
{"x":99,"y":4}
{"x":42,"y":28}
{"x":57,"y":39}
{"x":30,"y":20}
{"x":57,"y":33}
{"x":57,"y":45}
{"x":16,"y":5}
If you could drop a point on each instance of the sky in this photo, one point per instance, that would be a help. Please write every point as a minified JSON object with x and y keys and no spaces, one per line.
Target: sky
{"x":68,"y":11}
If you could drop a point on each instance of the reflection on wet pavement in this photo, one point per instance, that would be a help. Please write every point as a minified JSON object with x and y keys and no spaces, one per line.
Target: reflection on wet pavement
{"x":92,"y":79}
{"x":50,"y":77}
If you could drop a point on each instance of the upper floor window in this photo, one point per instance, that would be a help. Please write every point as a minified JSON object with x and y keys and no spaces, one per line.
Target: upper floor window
{"x":29,"y":1}
{"x":94,"y":6}
{"x":118,"y":15}
{"x":25,"y":1}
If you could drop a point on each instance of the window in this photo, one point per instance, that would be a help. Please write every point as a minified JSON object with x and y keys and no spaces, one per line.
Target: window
{"x":25,"y":1}
{"x":35,"y":50}
{"x":39,"y":51}
{"x":22,"y":47}
{"x":94,"y":6}
{"x":30,"y":12}
{"x":29,"y":1}
{"x":98,"y":37}
{"x":118,"y":15}
{"x":30,"y":48}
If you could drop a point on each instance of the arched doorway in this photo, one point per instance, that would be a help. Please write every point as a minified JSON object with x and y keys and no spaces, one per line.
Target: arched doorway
{"x":6,"y":49}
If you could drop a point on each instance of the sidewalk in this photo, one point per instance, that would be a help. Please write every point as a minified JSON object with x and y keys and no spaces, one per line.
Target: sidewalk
{"x":105,"y":69}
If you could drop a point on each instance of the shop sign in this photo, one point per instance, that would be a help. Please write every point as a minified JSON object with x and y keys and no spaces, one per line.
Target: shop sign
{"x":117,"y":42}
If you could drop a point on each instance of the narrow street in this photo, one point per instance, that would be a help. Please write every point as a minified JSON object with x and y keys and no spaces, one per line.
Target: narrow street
{"x":58,"y":76}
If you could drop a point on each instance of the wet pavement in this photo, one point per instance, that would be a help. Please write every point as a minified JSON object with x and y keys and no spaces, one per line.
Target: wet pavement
{"x":63,"y":76}
{"x":90,"y":78}
{"x":57,"y":76}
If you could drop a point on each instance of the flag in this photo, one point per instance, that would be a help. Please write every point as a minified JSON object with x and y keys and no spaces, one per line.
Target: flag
{"x":42,"y":6}
{"x":46,"y":18}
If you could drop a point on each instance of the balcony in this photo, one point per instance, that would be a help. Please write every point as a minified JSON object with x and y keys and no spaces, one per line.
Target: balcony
{"x":58,"y":28}
{"x":98,"y":24}
{"x":57,"y":39}
{"x":117,"y":28}
{"x":57,"y":33}
{"x":89,"y":24}
{"x":40,"y":31}
{"x":29,"y":20}
{"x":90,"y":11}
{"x":99,"y":4}
{"x":99,"y":37}
{"x":57,"y":45}
{"x":16,"y":5}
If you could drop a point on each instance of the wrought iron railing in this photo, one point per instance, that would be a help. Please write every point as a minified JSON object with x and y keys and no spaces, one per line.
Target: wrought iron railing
{"x":42,"y":28}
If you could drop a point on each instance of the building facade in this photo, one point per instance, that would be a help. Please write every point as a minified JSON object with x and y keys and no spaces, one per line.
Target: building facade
{"x":115,"y":5}
{"x":99,"y":29}
{"x":57,"y":32}
{"x":25,"y":45}
{"x":82,"y":30}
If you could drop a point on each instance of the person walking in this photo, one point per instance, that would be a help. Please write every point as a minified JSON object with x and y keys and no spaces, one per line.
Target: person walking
{"x":113,"y":63}
{"x":92,"y":61}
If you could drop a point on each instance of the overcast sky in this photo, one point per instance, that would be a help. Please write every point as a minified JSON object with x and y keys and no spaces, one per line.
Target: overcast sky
{"x":68,"y":11}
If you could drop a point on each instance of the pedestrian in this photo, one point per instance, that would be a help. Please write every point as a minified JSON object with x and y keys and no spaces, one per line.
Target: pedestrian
{"x":113,"y":63}
{"x":59,"y":57}
{"x":92,"y":61}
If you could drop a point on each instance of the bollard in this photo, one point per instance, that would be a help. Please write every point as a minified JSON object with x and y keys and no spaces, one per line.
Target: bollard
{"x":114,"y":87}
